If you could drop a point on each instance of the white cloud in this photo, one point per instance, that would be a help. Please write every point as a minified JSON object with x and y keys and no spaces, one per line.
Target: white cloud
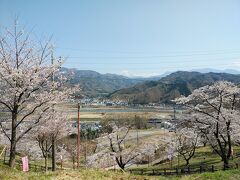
{"x":236,"y":64}
{"x":133,"y":74}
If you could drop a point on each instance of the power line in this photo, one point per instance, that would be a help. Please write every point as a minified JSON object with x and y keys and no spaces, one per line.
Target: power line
{"x":141,"y":52}
{"x":150,"y":63}
{"x":141,"y":55}
{"x":146,"y":57}
{"x":171,"y":67}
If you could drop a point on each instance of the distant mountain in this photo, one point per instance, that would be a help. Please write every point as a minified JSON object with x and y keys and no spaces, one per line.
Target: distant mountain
{"x":207,"y":70}
{"x":95,"y":84}
{"x":171,"y":86}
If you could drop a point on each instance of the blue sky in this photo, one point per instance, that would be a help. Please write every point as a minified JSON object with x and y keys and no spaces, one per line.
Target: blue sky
{"x":135,"y":37}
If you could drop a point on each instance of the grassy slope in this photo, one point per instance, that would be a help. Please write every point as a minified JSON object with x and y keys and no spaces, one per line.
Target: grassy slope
{"x":220,"y":175}
{"x":203,"y":156}
{"x":91,"y":174}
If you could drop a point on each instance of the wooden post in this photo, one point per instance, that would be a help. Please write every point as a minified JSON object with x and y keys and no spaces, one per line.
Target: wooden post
{"x":213,"y":168}
{"x":61,"y":163}
{"x":148,"y":160}
{"x":5,"y":154}
{"x":53,"y":153}
{"x":200,"y":169}
{"x":182,"y":170}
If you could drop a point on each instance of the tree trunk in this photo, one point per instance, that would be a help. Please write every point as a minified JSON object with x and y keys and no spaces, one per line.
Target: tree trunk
{"x":73,"y":161}
{"x":53,"y":154}
{"x":5,"y":154}
{"x":12,"y":152}
{"x":120,"y":164}
{"x":13,"y":142}
{"x":46,"y":162}
{"x":226,"y":163}
{"x":204,"y":144}
{"x":85,"y":153}
{"x":187,"y":162}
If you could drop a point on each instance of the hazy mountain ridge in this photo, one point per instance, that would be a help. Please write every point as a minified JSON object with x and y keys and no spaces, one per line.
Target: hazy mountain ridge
{"x":95,"y":84}
{"x":161,"y":88}
{"x":171,"y":86}
{"x":208,"y":70}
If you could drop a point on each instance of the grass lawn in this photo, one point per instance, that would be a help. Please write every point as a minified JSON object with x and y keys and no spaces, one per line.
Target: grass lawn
{"x":203,"y":156}
{"x":86,"y":174}
{"x":220,"y":175}
{"x":93,"y":174}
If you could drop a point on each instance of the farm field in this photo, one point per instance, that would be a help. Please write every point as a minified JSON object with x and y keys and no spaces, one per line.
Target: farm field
{"x":100,"y":113}
{"x":94,"y":114}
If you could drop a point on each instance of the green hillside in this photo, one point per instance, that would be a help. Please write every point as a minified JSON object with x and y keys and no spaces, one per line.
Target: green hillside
{"x":170,"y":87}
{"x":95,"y":84}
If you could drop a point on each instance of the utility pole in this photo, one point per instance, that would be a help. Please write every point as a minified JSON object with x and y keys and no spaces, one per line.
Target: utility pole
{"x":174,"y":108}
{"x":52,"y":62}
{"x":78,"y":137}
{"x":53,"y":138}
{"x":174,"y":112}
{"x":137,"y":126}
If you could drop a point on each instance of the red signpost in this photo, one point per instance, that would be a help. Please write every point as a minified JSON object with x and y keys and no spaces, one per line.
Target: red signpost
{"x":78,"y":137}
{"x":25,"y":166}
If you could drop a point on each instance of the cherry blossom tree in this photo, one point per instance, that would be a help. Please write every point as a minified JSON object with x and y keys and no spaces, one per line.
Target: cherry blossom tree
{"x":28,"y":92}
{"x":157,"y":149}
{"x":119,"y":148}
{"x":186,"y":143}
{"x":54,"y":128}
{"x":215,"y":114}
{"x":44,"y":143}
{"x":113,"y":148}
{"x":123,"y":155}
{"x":71,"y":148}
